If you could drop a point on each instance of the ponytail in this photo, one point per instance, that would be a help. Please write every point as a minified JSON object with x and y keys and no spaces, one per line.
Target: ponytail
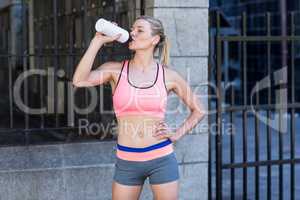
{"x":165,"y":53}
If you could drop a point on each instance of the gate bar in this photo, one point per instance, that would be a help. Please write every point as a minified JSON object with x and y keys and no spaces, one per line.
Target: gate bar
{"x":292,"y":131}
{"x":219,"y":116}
{"x":244,"y":67}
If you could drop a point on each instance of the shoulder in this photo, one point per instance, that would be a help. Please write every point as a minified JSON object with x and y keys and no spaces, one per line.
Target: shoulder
{"x":113,"y":65}
{"x":174,"y":79}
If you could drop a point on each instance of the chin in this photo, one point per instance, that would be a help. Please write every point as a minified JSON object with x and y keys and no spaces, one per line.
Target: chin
{"x":132,"y":47}
{"x":135,"y":48}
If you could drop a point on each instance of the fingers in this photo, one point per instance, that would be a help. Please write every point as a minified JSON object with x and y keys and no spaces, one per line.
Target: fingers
{"x":163,"y":135}
{"x":161,"y":130}
{"x":160,"y":123}
{"x":159,"y":134}
{"x":117,"y":36}
{"x":106,"y":39}
{"x":161,"y":126}
{"x":99,"y":33}
{"x":113,"y":38}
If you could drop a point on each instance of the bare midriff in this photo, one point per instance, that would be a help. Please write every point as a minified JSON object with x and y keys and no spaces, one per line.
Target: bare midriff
{"x":137,"y":131}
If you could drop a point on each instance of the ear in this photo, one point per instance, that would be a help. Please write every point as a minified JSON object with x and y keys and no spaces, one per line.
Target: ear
{"x":156,"y":40}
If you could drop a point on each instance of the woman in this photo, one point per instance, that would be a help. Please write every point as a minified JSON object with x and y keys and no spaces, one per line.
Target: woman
{"x":140,"y":87}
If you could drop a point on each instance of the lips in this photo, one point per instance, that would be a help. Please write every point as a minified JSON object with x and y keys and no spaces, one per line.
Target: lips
{"x":130,"y":39}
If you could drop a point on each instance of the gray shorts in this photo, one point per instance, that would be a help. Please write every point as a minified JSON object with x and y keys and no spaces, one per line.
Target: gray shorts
{"x":159,"y":170}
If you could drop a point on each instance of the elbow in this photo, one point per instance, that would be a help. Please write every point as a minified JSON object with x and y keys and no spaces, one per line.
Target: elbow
{"x":76,"y":83}
{"x":82,"y":83}
{"x":199,"y":114}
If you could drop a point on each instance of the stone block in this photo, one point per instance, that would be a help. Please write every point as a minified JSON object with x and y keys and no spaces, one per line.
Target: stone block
{"x":90,"y":153}
{"x":192,"y":148}
{"x":180,"y":3}
{"x":89,"y":183}
{"x":193,"y":181}
{"x":32,"y":185}
{"x":193,"y":69}
{"x":187,"y":30}
{"x":53,"y":156}
{"x":27,"y":157}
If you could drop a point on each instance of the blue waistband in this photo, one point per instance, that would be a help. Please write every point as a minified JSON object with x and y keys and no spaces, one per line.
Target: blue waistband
{"x":149,"y":148}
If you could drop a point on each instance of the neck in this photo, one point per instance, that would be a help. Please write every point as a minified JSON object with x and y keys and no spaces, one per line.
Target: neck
{"x":143,"y":60}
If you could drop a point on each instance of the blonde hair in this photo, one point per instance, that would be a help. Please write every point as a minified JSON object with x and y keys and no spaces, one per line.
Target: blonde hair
{"x":163,"y":45}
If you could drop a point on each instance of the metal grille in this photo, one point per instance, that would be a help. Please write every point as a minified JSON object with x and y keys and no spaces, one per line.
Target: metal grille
{"x":50,"y":37}
{"x":254,"y":153}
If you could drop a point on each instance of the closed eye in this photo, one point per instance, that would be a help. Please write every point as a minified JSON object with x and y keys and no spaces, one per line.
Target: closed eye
{"x":139,"y":30}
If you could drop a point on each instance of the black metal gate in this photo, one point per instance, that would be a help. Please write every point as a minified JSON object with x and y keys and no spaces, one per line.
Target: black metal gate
{"x":50,"y":37}
{"x":254,"y":150}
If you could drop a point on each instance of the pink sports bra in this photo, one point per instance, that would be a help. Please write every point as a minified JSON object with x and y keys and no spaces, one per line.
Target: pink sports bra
{"x":129,"y":99}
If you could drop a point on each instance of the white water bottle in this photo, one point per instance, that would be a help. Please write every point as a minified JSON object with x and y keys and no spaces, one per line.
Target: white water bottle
{"x":110,"y":29}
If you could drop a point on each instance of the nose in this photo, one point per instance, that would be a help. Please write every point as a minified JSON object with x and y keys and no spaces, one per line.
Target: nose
{"x":132,"y":33}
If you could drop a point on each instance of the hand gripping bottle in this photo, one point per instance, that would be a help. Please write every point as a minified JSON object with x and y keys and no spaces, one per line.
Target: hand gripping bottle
{"x":110,"y":29}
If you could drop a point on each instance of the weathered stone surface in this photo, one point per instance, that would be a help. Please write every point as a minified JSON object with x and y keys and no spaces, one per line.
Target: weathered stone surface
{"x":193,"y":69}
{"x":180,"y":3}
{"x":187,"y":30}
{"x":56,"y":156}
{"x":32,"y":185}
{"x":192,"y":148}
{"x":193,"y":181}
{"x":85,"y":181}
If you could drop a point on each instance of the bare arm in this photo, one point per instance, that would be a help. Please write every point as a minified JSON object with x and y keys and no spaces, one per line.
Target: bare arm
{"x":183,"y":90}
{"x":83,"y":76}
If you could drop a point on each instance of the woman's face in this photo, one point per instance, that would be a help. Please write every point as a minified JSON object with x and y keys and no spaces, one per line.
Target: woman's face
{"x":141,"y":36}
